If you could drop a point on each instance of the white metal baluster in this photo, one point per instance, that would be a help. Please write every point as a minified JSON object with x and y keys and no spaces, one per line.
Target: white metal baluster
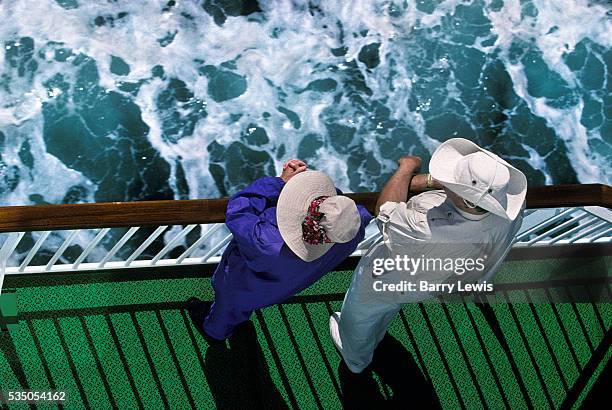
{"x":600,"y":212}
{"x":43,"y":237}
{"x":545,"y":224}
{"x":145,"y":244}
{"x":197,"y":243}
{"x":572,"y":231}
{"x":216,"y":248}
{"x":557,"y":228}
{"x":10,"y":245}
{"x":101,"y":234}
{"x":7,"y":250}
{"x":61,"y":250}
{"x":589,"y":231}
{"x":601,"y":234}
{"x":118,"y":246}
{"x":170,"y":244}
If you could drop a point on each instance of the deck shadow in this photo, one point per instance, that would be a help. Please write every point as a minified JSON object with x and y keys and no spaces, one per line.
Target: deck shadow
{"x":397,"y":370}
{"x":238,"y":374}
{"x":301,"y":361}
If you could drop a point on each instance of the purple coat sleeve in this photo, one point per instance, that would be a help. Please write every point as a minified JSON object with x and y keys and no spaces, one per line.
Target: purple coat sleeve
{"x":251,"y":226}
{"x":366,"y":217}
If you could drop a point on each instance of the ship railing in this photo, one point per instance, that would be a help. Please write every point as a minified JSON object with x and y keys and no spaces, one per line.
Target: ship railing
{"x":149,"y":234}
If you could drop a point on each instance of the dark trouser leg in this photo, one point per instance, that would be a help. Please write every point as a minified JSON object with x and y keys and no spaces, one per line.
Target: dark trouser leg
{"x":224,"y":316}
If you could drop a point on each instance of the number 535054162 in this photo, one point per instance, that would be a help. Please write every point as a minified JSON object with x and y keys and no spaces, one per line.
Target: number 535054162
{"x":11,"y":396}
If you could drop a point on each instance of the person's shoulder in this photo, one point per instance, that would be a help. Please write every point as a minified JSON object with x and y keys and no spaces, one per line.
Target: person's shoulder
{"x":273,"y":181}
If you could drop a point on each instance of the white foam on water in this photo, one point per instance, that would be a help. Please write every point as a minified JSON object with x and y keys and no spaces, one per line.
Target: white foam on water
{"x":290,"y":48}
{"x":283,"y":51}
{"x":558,"y":28}
{"x":50,"y":178}
{"x":538,"y":162}
{"x":20,"y":111}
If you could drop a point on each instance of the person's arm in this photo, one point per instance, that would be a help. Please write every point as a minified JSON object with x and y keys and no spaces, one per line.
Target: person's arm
{"x":244,"y":214}
{"x":419,"y":183}
{"x":396,"y":189}
{"x":244,"y":209}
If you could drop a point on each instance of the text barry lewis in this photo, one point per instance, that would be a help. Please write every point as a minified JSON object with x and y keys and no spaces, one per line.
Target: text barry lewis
{"x":425,"y":286}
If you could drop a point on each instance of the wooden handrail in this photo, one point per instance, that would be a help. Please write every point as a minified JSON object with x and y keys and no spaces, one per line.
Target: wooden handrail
{"x":201,"y":211}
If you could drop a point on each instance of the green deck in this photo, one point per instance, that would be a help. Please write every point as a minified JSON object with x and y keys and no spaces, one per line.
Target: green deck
{"x":127,"y":344}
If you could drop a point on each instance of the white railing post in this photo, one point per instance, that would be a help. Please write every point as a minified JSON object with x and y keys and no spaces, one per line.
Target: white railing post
{"x":197,"y":243}
{"x":541,"y":227}
{"x":43,"y":237}
{"x":145,"y":244}
{"x":171,"y":243}
{"x":6,"y":251}
{"x":557,"y":228}
{"x":61,"y":250}
{"x":118,"y":246}
{"x":216,"y":248}
{"x":90,"y":247}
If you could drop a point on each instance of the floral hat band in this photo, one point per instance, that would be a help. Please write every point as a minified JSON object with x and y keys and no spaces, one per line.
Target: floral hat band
{"x":310,"y":228}
{"x":312,"y":231}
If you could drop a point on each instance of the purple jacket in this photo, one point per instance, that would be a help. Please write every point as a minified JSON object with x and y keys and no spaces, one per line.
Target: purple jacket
{"x":257,"y":268}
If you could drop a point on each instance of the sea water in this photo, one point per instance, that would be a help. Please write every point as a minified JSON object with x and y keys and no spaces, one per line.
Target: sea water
{"x":136,"y":100}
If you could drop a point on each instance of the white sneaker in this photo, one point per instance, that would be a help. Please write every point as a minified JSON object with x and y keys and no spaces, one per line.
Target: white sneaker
{"x":334,"y":331}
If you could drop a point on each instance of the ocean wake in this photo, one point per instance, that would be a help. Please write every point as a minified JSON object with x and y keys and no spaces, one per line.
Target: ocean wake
{"x":124,"y":100}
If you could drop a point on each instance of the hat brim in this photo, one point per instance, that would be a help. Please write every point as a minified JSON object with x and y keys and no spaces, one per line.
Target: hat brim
{"x":442,"y":168}
{"x":292,"y":206}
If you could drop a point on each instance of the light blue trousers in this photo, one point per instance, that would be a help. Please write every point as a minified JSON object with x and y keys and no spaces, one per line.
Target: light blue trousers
{"x":366,"y":316}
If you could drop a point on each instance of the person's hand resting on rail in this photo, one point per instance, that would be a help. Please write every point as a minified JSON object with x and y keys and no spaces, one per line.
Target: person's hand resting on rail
{"x":291,"y":168}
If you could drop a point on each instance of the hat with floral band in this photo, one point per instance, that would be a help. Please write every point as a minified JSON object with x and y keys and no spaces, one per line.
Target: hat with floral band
{"x":311,"y":216}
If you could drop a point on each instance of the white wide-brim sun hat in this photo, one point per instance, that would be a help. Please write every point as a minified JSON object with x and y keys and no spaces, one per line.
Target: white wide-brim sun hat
{"x":479,"y":176}
{"x":341,"y":219}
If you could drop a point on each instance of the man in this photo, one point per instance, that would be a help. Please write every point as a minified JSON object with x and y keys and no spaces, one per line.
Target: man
{"x":476,"y":215}
{"x":288,"y":231}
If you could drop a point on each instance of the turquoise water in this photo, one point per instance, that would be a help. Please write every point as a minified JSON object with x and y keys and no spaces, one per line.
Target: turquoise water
{"x":131,"y":100}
